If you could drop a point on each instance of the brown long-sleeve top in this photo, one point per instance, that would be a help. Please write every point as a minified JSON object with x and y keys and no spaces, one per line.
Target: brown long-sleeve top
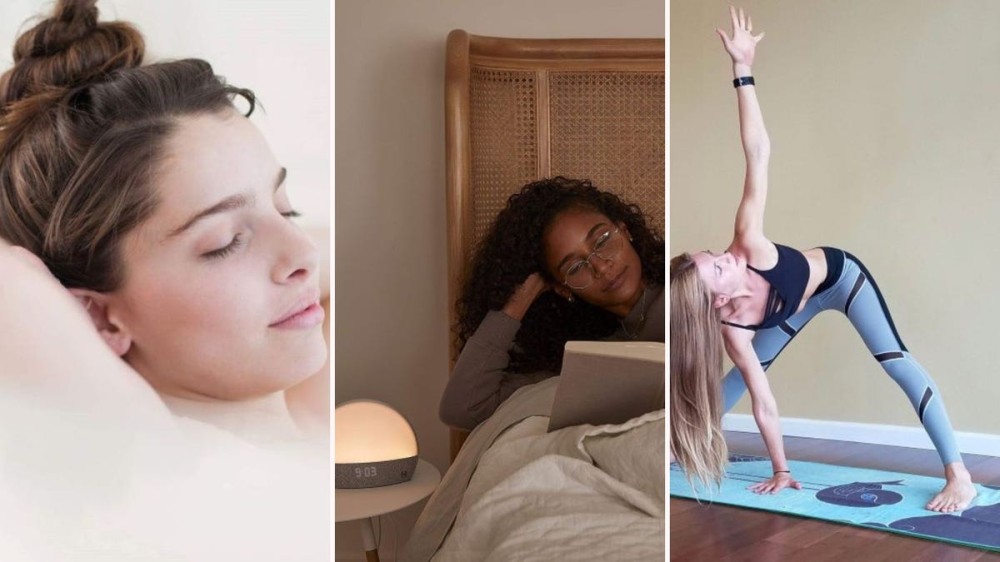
{"x":480,"y":381}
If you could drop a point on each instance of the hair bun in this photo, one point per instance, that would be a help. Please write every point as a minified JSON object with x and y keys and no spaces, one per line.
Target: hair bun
{"x":67,"y":49}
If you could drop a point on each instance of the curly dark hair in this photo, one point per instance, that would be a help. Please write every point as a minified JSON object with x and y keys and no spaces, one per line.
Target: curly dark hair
{"x":513,"y":249}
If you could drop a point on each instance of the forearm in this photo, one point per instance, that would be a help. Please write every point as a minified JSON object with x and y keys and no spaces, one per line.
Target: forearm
{"x":766,"y":416}
{"x":756,"y":144}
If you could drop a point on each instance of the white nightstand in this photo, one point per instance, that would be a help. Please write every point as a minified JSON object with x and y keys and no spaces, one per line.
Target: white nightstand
{"x":367,"y":503}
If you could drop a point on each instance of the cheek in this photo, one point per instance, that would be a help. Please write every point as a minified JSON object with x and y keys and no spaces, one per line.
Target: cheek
{"x":196,"y":300}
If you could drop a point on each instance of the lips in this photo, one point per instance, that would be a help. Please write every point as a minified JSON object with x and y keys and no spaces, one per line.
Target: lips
{"x":304,"y":313}
{"x":616,"y":282}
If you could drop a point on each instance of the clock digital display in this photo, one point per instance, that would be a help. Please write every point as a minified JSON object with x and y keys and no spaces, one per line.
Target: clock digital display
{"x":365,"y":472}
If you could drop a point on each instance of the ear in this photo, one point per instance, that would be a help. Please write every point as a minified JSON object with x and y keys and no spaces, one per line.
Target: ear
{"x":561,"y":290}
{"x":96,"y":306}
{"x":720,"y":301}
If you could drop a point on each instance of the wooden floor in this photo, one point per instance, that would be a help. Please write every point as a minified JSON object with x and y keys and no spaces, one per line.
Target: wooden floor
{"x":718,"y":532}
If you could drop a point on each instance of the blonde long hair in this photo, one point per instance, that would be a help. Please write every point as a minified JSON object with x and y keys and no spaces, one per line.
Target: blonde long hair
{"x":696,"y":438}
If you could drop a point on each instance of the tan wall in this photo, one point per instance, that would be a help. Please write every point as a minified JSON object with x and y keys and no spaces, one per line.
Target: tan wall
{"x":391,"y":332}
{"x":884,"y":129}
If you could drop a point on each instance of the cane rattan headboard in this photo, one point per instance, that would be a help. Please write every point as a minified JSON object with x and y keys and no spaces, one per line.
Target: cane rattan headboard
{"x":517,"y":110}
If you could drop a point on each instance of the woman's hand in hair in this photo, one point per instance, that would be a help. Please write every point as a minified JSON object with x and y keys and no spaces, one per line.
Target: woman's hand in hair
{"x":524,"y":295}
{"x":776,"y":483}
{"x":742,"y":45}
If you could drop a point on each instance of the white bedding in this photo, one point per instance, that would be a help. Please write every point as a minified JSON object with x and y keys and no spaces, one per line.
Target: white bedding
{"x":518,"y":493}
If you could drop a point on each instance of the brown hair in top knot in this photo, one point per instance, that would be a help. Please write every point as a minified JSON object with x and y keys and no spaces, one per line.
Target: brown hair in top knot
{"x":67,"y":49}
{"x":83,"y":130}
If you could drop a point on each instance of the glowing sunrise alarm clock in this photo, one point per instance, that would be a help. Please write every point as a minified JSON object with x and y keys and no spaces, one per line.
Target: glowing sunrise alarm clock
{"x":375,"y":445}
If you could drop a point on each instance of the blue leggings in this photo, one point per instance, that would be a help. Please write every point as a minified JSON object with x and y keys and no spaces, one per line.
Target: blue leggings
{"x":855,"y":293}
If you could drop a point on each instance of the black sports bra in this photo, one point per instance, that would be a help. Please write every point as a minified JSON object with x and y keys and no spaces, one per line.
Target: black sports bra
{"x":788,"y":278}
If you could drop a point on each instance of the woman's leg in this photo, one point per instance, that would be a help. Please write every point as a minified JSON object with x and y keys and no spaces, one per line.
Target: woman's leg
{"x":866,"y":309}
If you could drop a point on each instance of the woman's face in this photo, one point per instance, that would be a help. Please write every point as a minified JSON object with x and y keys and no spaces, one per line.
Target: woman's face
{"x":721,"y":273}
{"x":616,"y":281}
{"x":221,"y":291}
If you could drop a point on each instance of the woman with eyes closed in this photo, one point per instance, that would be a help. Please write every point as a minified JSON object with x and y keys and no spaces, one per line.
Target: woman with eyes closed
{"x":563,"y":261}
{"x":752,"y":299}
{"x":160,"y":207}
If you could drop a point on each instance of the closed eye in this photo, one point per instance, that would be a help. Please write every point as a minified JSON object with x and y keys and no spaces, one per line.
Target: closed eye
{"x":225,"y":250}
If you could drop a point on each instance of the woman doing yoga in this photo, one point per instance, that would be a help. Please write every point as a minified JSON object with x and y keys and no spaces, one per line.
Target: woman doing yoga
{"x":752,"y":299}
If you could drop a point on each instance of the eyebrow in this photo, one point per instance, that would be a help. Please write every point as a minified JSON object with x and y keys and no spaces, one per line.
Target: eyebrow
{"x":590,"y":233}
{"x":231,"y":203}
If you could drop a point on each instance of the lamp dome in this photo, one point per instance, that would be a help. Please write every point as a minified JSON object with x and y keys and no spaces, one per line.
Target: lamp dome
{"x":374,"y":445}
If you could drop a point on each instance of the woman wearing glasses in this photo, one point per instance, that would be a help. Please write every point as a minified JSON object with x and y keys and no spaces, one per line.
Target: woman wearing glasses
{"x":563,"y":261}
{"x":752,"y":299}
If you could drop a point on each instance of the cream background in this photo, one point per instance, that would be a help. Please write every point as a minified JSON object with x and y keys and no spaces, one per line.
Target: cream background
{"x":883,"y":122}
{"x":280,"y":50}
{"x":391,"y":328}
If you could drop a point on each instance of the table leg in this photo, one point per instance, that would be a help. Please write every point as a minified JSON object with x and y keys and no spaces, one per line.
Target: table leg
{"x":368,"y":539}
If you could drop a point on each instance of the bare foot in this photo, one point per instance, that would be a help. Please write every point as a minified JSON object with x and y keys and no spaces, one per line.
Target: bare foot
{"x":957,"y":493}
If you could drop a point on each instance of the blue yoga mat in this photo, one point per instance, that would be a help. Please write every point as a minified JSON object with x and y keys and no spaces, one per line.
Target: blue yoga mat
{"x":876,"y":499}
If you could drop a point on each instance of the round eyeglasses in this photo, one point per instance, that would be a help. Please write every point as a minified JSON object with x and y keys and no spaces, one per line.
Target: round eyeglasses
{"x":581,"y":273}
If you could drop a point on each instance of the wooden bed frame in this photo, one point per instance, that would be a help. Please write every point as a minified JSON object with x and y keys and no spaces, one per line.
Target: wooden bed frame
{"x":517,"y":110}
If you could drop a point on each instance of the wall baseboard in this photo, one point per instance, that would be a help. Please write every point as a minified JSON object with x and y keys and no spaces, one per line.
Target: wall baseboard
{"x":877,"y":434}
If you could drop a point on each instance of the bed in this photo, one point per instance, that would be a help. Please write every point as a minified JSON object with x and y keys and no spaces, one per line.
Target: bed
{"x":518,"y":110}
{"x":518,"y":492}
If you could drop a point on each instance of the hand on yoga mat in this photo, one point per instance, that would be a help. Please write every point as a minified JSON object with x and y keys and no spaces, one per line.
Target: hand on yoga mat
{"x":775,"y":484}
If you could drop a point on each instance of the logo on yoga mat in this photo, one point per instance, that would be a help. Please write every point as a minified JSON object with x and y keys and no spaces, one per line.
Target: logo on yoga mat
{"x":861,"y":494}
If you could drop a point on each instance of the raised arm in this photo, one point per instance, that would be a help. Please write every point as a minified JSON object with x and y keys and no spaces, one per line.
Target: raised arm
{"x":480,"y":381}
{"x":741,"y":48}
{"x":765,"y":408}
{"x":52,"y":353}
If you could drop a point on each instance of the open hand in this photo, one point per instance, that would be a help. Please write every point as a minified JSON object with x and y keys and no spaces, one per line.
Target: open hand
{"x":777,"y":482}
{"x":742,"y":45}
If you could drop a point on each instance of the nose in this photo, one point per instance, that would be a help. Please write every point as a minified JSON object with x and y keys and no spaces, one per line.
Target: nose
{"x":600,"y":265}
{"x":296,"y":256}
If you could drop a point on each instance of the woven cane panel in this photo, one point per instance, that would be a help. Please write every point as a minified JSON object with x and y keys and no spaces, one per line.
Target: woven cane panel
{"x":609,"y":127}
{"x":503,"y":139}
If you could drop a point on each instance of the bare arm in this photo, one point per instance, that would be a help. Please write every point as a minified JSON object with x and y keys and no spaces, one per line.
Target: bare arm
{"x":51,"y":351}
{"x":765,"y":408}
{"x":741,"y":47}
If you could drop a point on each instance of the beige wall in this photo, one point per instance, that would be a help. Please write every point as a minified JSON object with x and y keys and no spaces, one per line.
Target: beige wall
{"x":390,"y":327}
{"x":884,"y":129}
